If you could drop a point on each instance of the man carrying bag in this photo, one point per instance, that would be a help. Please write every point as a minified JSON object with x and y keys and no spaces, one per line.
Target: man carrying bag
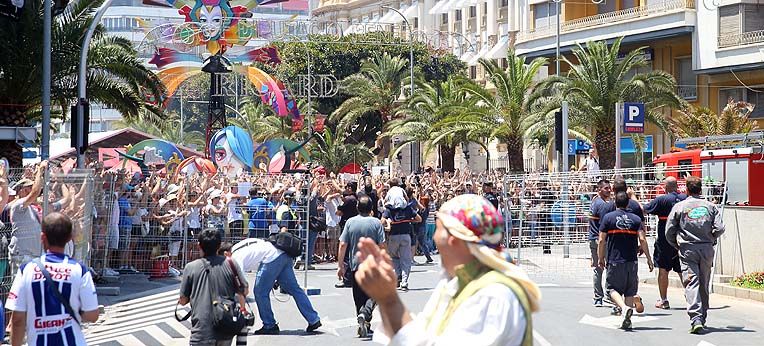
{"x":210,"y":284}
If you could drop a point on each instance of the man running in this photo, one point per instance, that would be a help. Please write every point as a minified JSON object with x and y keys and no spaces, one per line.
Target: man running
{"x":623,"y":232}
{"x":692,"y":228}
{"x":665,"y":256}
{"x":363,"y":225}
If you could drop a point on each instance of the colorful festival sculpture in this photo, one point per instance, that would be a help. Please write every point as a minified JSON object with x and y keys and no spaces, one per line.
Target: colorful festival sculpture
{"x":217,"y":25}
{"x":232,"y":151}
{"x":153,"y":152}
{"x":195,"y":164}
{"x":271,"y":155}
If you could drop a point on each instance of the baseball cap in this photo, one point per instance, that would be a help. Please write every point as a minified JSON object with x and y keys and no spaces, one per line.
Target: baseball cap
{"x":289,"y":194}
{"x":215,"y":193}
{"x":22,"y":183}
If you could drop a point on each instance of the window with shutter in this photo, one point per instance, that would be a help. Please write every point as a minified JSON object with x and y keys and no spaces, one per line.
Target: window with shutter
{"x":729,"y":20}
{"x":753,"y":18}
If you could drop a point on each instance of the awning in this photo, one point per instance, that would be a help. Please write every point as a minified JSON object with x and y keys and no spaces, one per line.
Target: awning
{"x":483,"y":51}
{"x":499,"y":50}
{"x":412,"y":11}
{"x":436,"y":9}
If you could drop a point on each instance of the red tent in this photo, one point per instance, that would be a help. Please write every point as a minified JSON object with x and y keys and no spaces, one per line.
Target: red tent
{"x":352,"y":168}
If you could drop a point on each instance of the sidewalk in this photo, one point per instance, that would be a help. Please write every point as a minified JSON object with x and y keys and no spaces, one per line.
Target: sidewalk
{"x":133,"y":286}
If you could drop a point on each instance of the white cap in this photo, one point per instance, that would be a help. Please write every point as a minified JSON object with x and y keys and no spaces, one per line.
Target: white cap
{"x":215,"y":193}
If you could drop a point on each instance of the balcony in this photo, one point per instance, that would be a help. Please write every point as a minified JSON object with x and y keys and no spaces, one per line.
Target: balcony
{"x":630,"y":14}
{"x":687,"y":92}
{"x":742,"y":39}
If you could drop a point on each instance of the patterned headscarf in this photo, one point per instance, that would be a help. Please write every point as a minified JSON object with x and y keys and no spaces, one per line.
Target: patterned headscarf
{"x":474,"y":219}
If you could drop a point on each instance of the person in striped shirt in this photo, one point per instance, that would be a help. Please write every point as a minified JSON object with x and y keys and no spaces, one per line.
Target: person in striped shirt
{"x":36,"y":312}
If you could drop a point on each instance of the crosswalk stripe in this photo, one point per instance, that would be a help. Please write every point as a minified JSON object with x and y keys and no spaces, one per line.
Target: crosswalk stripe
{"x":149,"y":322}
{"x":151,"y":297}
{"x":125,"y":340}
{"x":151,"y":307}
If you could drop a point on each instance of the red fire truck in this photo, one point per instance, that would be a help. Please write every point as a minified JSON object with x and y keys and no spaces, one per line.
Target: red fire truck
{"x":735,"y":159}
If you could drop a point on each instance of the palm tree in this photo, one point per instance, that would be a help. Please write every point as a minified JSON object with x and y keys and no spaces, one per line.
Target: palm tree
{"x":373,"y":92}
{"x":334,"y":154}
{"x":503,"y":113}
{"x":702,"y":121}
{"x":170,"y":129}
{"x":116,"y":78}
{"x":428,"y":113}
{"x":263,"y":124}
{"x":601,"y":79}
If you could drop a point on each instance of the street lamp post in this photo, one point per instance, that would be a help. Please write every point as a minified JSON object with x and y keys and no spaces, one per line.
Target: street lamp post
{"x":411,"y":69}
{"x":82,"y":80}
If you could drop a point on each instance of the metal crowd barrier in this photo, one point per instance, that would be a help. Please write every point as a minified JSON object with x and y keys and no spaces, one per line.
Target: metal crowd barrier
{"x":548,"y":231}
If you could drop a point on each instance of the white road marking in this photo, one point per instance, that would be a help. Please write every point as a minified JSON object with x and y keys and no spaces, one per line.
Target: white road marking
{"x":705,"y":343}
{"x":547,"y":285}
{"x":585,"y":283}
{"x":613,"y":322}
{"x":330,"y":326}
{"x":540,"y":340}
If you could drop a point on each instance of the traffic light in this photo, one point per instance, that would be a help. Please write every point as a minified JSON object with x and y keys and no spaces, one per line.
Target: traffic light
{"x":59,"y":6}
{"x":558,"y":135}
{"x":79,"y":133}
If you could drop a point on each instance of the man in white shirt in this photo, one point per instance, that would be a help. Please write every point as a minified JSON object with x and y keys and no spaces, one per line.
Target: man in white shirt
{"x":270,"y":263}
{"x":592,"y":164}
{"x":43,"y":318}
{"x":483,"y":299}
{"x":235,"y":216}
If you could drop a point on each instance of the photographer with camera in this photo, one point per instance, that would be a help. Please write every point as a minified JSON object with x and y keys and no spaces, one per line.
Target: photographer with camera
{"x":272,"y":263}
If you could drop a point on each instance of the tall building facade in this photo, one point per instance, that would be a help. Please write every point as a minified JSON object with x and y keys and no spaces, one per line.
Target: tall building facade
{"x":714,"y":48}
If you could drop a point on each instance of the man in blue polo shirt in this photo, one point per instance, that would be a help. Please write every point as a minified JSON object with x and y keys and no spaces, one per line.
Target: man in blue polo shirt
{"x":259,"y":210}
{"x":623,"y":232}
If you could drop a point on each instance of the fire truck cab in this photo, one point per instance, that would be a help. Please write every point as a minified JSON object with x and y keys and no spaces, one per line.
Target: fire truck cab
{"x":742,"y":168}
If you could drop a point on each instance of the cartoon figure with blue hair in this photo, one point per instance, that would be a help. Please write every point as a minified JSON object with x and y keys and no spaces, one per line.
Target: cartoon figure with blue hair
{"x":232,"y":151}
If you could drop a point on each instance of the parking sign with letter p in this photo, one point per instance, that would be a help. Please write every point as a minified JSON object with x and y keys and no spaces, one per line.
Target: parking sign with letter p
{"x":633,"y":117}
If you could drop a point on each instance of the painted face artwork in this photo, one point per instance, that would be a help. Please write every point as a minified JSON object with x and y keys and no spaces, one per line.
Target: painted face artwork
{"x":225,"y":159}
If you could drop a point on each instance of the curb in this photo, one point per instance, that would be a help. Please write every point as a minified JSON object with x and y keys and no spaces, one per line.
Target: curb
{"x":739,"y":292}
{"x":722,"y":288}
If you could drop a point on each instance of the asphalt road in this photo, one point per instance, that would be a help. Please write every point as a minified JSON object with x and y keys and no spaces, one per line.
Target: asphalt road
{"x":566,"y":317}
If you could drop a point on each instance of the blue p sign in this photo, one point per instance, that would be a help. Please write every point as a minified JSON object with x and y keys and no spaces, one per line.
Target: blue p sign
{"x":633,"y":118}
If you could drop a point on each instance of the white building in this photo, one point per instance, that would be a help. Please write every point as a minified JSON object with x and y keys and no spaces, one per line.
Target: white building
{"x":714,"y":49}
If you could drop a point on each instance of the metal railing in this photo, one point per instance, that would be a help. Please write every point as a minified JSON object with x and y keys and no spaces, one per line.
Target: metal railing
{"x":741,"y":39}
{"x":651,"y":10}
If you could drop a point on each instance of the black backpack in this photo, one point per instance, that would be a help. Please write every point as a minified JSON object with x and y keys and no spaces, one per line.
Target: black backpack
{"x":287,"y":242}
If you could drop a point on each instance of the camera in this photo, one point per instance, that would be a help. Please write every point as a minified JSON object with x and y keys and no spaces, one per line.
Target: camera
{"x":249,"y":319}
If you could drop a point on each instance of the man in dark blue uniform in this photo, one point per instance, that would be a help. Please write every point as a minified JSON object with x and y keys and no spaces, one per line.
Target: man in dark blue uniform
{"x":665,"y":256}
{"x":595,"y":214}
{"x":624,"y":234}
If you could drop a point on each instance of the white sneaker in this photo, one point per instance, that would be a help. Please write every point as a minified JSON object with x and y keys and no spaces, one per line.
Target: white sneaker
{"x":174,"y":272}
{"x":109,"y":272}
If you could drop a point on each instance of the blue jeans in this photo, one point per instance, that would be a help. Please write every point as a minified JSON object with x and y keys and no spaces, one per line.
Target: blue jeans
{"x":267,"y":274}
{"x":312,"y":236}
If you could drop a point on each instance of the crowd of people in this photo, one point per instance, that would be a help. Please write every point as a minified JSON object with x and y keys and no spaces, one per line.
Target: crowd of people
{"x":135,"y":222}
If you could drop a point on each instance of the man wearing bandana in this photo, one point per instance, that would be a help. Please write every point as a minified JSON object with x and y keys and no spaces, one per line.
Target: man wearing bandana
{"x":483,"y":298}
